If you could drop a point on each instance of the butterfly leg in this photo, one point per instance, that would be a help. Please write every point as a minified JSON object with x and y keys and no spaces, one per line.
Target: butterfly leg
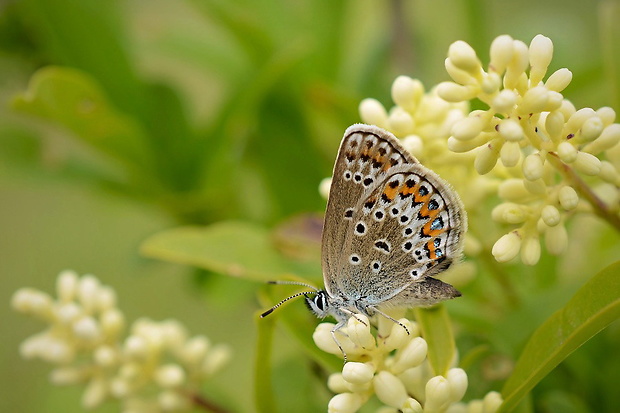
{"x":376,"y":310}
{"x":333,"y":331}
{"x":354,"y":315}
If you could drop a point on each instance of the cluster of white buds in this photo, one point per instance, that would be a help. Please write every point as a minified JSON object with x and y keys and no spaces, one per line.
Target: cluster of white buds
{"x":541,"y":140}
{"x":157,"y":368}
{"x":392,"y":366}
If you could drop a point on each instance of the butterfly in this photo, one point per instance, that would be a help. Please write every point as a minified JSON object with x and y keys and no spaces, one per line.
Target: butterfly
{"x":390,"y":226}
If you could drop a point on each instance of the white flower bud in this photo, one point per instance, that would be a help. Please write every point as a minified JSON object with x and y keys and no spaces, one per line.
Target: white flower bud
{"x":567,"y":152}
{"x":195,"y":350}
{"x":120,"y":388}
{"x":491,"y":402}
{"x":554,"y":122}
{"x":345,"y":403}
{"x":216,"y":359}
{"x":510,"y":154}
{"x":458,"y":75}
{"x":407,"y":92}
{"x":336,"y":383}
{"x":577,"y":119}
{"x":413,"y":144}
{"x":323,"y":339}
{"x":491,"y":83}
{"x":324,"y":187}
{"x":136,"y":347}
{"x":513,"y":190}
{"x":533,"y":167}
{"x":554,"y":101}
{"x":172,"y":401}
{"x":550,"y":215}
{"x":486,"y":157}
{"x":67,"y":285}
{"x":437,"y":394}
{"x":501,"y":53}
{"x":507,"y":247}
{"x":567,"y":109}
{"x":518,"y":64}
{"x":568,"y":197}
{"x":56,"y":351}
{"x":411,"y":356}
{"x":400,"y":122}
{"x":105,"y":356}
{"x":537,"y":187}
{"x":106,"y":298}
{"x":389,"y":389}
{"x":541,"y":52}
{"x":463,"y":56}
{"x":452,"y":92}
{"x":95,"y":393}
{"x":357,"y":373}
{"x":510,"y":129}
{"x":398,"y":336}
{"x":460,"y":146}
{"x":530,"y":250}
{"x":87,"y":329}
{"x":471,"y":126}
{"x":556,"y":239}
{"x":607,"y":115}
{"x":67,"y":313}
{"x":609,"y":137}
{"x":509,"y":213}
{"x":169,"y":376}
{"x":34,"y":302}
{"x":591,"y":129}
{"x":587,"y":164}
{"x":504,"y":102}
{"x":534,"y":101}
{"x":373,"y":112}
{"x":559,"y":80}
{"x":358,"y":330}
{"x":88,"y":289}
{"x":112,"y":322}
{"x":609,"y":173}
{"x":457,"y":379}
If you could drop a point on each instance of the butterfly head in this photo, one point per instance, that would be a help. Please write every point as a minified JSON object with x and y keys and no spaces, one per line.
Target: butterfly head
{"x":319,"y":303}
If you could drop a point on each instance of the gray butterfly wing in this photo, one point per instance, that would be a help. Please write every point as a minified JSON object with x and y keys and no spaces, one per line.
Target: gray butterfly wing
{"x":406,"y":227}
{"x":367,"y":155}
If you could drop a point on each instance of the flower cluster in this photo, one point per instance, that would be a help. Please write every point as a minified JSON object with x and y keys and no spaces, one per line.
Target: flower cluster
{"x":156,"y":368}
{"x":539,"y":138}
{"x":392,"y":366}
{"x":544,"y":145}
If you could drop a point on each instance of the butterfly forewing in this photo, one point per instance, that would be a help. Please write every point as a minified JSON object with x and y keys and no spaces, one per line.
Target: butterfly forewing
{"x":367,"y":155}
{"x":401,"y":228}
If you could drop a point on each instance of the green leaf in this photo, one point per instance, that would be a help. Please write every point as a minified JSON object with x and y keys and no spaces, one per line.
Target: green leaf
{"x":233,"y":248}
{"x":263,"y":388}
{"x":75,"y":100}
{"x":437,"y":331}
{"x":592,"y":308}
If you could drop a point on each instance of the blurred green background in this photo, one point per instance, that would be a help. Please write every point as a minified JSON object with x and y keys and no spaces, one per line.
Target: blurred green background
{"x":220,"y":110}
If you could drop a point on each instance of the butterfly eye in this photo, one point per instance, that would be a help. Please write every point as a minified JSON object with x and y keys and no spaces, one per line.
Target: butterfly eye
{"x":320,"y":301}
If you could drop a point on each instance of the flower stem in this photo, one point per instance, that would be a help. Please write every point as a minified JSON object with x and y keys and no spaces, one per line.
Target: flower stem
{"x":598,"y":205}
{"x":201,"y":402}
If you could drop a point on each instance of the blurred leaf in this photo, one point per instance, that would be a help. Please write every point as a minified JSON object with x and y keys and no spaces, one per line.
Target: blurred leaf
{"x":263,"y":387}
{"x":592,"y":308}
{"x":233,"y":248}
{"x":437,"y":331}
{"x":74,"y":100}
{"x":87,"y":34}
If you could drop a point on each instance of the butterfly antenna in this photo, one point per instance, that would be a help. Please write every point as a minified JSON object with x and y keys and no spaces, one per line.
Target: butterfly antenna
{"x":266,"y":313}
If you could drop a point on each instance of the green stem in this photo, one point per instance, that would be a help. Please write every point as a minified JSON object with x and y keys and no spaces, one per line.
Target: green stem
{"x":263,"y":390}
{"x":598,"y":205}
